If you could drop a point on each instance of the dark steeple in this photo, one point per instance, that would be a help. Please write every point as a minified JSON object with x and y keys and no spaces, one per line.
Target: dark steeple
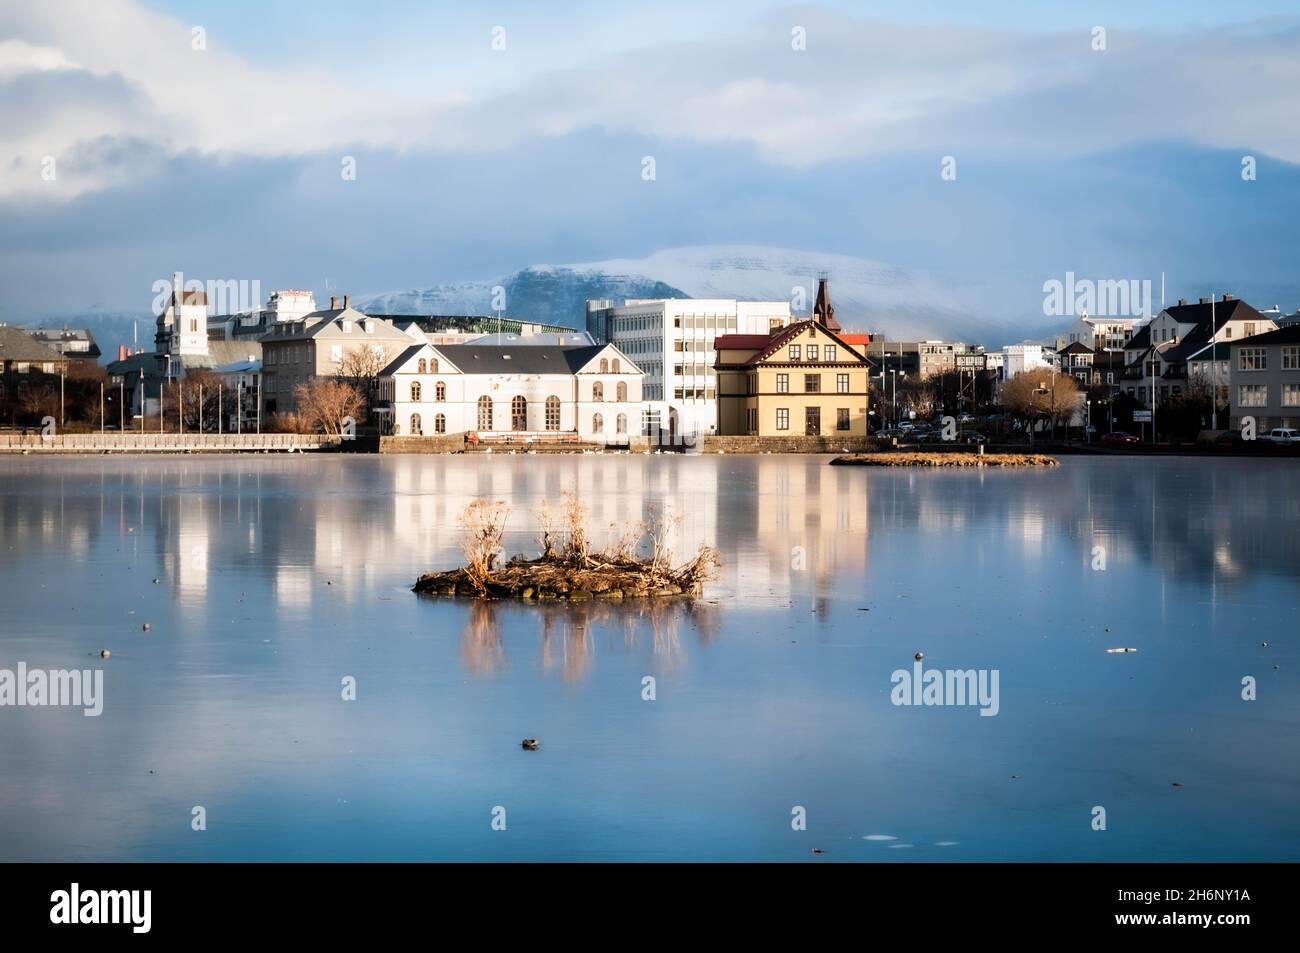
{"x":823,"y":310}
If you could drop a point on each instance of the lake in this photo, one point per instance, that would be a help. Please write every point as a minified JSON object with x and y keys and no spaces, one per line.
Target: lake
{"x":668,"y":731}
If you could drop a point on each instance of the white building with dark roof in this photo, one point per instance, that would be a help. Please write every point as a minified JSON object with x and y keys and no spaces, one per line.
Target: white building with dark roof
{"x":527,"y":393}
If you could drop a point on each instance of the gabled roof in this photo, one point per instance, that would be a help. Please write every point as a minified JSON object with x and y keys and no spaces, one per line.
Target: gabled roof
{"x":403,"y":357}
{"x":524,"y":359}
{"x":1141,"y":339}
{"x":1078,"y":347}
{"x":741,"y":342}
{"x":1287,"y":335}
{"x":768,"y":346}
{"x":17,"y":345}
{"x":1233,"y":309}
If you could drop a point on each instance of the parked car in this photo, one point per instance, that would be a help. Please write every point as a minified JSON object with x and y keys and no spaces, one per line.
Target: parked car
{"x":1283,"y":435}
{"x":1229,"y":438}
{"x":976,"y":437}
{"x":1119,"y":438}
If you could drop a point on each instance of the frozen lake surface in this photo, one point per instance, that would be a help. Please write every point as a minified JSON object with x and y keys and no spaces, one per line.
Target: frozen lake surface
{"x":279,"y":577}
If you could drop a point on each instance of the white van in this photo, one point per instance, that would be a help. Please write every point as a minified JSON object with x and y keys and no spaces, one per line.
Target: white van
{"x":1283,"y":435}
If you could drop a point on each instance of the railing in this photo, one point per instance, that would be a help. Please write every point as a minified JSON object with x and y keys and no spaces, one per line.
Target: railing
{"x":164,"y":443}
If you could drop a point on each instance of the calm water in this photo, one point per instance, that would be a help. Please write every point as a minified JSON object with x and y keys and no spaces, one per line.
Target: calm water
{"x":279,"y":576}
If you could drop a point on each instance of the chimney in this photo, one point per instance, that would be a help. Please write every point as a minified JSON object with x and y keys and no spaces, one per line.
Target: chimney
{"x":1205,"y":301}
{"x":121,"y":352}
{"x":1227,"y":297}
{"x":346,"y":299}
{"x":1182,"y":301}
{"x":334,"y":302}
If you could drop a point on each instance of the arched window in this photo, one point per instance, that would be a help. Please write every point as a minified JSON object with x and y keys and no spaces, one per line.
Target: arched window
{"x":597,"y":424}
{"x":485,"y":413}
{"x":415,"y":425}
{"x":440,"y":391}
{"x":421,"y":366}
{"x":433,"y":365}
{"x":519,"y":413}
{"x":597,"y":391}
{"x":621,"y":390}
{"x":614,"y":366}
{"x":604,"y":366}
{"x":415,"y":391}
{"x":621,"y":424}
{"x":552,"y":413}
{"x":440,"y":423}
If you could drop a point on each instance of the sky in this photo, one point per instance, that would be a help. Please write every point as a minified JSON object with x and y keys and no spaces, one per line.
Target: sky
{"x":141,"y":138}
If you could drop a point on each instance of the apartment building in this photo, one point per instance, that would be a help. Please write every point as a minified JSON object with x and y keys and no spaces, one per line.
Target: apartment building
{"x":1264,"y":379}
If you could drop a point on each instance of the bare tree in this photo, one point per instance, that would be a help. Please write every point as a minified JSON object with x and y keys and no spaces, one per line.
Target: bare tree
{"x":1039,"y":392}
{"x":324,"y":403}
{"x":483,"y":527}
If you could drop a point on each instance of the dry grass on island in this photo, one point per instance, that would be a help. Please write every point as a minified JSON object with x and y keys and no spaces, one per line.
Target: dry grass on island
{"x":568,"y":567}
{"x":891,"y":459}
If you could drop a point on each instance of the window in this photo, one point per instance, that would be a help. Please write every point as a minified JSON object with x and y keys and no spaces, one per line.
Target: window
{"x":1291,"y":395}
{"x":422,"y":366}
{"x":433,"y":365}
{"x":1252,"y":395}
{"x":336,"y":353}
{"x":614,"y":366}
{"x":842,"y":418}
{"x":783,"y":383}
{"x":620,"y":425}
{"x":597,"y":391}
{"x":604,"y":366}
{"x":782,"y":418}
{"x":814,"y":352}
{"x":485,"y":413}
{"x":415,"y":426}
{"x":1250,"y":328}
{"x":812,"y":383}
{"x":552,"y":413}
{"x":1252,"y":359}
{"x":440,"y":391}
{"x":519,"y":413}
{"x":794,"y":352}
{"x":830,"y":353}
{"x":597,"y":424}
{"x":1291,"y":358}
{"x":620,"y":390}
{"x":194,"y":325}
{"x":841,"y":383}
{"x":440,"y":423}
{"x":415,"y":391}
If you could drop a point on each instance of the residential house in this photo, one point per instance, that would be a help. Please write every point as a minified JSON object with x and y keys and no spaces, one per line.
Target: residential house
{"x":73,"y":343}
{"x":28,"y":369}
{"x":317,"y":345}
{"x":800,"y":380}
{"x":1182,"y":348}
{"x":1264,"y":379}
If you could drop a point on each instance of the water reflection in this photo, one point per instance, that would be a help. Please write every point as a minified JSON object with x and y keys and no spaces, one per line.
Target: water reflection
{"x":570,"y":636}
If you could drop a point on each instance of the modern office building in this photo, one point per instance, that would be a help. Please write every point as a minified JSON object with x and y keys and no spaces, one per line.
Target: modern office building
{"x":671,"y":341}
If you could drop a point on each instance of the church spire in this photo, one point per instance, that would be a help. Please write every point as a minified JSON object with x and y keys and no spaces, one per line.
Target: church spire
{"x":823,"y":310}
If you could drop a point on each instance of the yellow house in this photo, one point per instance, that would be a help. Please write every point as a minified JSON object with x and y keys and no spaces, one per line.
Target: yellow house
{"x":800,"y":380}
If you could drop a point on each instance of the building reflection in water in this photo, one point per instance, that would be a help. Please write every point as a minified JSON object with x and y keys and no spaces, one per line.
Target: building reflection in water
{"x":568,"y":635}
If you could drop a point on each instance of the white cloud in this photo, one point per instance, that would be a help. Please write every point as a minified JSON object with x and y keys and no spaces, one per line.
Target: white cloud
{"x":87,"y":75}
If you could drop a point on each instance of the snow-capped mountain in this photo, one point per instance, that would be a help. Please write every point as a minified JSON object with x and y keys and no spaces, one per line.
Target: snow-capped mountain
{"x":868,"y":295}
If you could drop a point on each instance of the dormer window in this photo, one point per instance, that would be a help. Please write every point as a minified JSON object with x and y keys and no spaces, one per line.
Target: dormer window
{"x":347,"y":327}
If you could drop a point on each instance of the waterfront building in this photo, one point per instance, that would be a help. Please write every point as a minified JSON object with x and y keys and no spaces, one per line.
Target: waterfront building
{"x":1183,"y":347}
{"x":799,"y":380}
{"x":541,"y":392}
{"x":1025,"y":357}
{"x":322,"y":344}
{"x":1264,"y":379}
{"x":28,"y":368}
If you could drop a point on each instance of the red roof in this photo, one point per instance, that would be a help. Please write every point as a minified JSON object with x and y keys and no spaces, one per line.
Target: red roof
{"x":855,"y":338}
{"x":741,"y":342}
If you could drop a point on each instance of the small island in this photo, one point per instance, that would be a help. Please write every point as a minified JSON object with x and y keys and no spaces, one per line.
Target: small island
{"x":891,"y":459}
{"x":637,"y":563}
